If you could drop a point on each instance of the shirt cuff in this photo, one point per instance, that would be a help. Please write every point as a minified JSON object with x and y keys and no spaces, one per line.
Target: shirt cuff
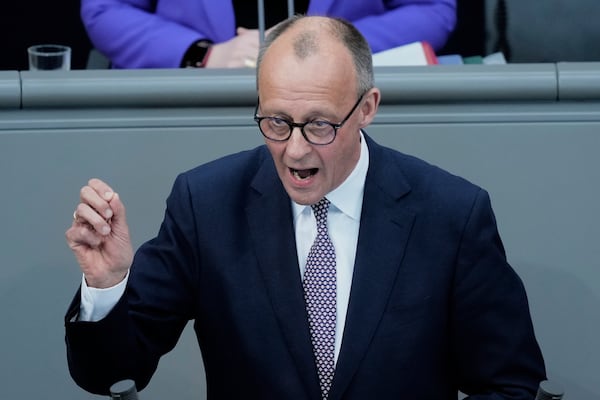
{"x":97,"y":303}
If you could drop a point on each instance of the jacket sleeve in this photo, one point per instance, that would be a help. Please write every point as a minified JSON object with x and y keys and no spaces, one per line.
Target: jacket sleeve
{"x":148,"y":320}
{"x":407,"y":21}
{"x":493,"y":342}
{"x":132,"y":35}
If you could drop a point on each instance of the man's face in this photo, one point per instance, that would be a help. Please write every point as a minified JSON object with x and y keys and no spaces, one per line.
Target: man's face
{"x":321,"y":86}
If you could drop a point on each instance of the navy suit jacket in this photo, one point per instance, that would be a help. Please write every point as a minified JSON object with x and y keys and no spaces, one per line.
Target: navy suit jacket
{"x":434,"y":306}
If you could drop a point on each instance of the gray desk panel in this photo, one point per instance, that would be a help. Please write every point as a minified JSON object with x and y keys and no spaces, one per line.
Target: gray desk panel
{"x":188,"y":87}
{"x":210,"y":88}
{"x":578,"y":81}
{"x":468,"y":83}
{"x":537,"y":158}
{"x":10,"y":90}
{"x":138,"y":88}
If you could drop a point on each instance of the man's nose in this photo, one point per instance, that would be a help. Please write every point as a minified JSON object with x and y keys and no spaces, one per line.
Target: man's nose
{"x":297,"y":145}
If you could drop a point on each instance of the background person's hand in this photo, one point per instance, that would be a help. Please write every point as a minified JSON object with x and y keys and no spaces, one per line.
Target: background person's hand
{"x":99,"y":235}
{"x":238,"y":52}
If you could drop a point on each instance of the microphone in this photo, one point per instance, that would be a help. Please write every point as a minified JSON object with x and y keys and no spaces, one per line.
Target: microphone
{"x":549,"y":391}
{"x":124,"y":390}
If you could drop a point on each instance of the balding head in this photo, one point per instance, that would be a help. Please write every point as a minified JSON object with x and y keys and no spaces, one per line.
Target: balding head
{"x":309,"y":36}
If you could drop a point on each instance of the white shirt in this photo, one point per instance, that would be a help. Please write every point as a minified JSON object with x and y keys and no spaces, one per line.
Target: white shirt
{"x":343,"y":220}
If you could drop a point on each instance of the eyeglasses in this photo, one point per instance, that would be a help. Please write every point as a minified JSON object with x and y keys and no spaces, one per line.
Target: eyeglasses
{"x":319,"y":132}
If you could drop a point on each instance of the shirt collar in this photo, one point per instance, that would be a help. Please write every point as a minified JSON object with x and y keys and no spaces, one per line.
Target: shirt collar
{"x":349,"y":195}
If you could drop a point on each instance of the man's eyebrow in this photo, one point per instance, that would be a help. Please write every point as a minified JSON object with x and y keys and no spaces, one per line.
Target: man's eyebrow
{"x":311,"y":116}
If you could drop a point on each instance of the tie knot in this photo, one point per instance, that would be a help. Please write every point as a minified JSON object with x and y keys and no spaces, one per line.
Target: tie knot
{"x":320,"y":209}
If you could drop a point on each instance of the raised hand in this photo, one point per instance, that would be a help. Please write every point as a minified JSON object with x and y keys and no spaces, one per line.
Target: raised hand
{"x":99,"y":235}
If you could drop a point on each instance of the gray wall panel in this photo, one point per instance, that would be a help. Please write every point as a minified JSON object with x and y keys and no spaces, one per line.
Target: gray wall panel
{"x":536,"y":157}
{"x":41,"y":172}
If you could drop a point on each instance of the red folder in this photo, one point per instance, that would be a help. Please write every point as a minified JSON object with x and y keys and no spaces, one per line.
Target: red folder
{"x":416,"y":53}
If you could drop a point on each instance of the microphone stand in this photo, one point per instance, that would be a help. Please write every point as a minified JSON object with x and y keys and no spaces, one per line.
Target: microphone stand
{"x":124,"y":390}
{"x":549,"y":391}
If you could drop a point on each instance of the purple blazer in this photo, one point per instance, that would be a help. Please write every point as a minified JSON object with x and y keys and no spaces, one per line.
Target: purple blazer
{"x":156,"y":33}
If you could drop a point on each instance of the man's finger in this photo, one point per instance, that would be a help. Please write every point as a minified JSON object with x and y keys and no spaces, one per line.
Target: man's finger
{"x":102,"y":188}
{"x":86,"y":215}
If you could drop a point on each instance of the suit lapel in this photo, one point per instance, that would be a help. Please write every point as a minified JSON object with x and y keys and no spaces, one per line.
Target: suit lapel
{"x":384,"y":231}
{"x":272,"y":233}
{"x":385,"y":227}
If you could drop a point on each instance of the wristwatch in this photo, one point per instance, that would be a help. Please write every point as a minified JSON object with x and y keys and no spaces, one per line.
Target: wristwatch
{"x":197,"y":54}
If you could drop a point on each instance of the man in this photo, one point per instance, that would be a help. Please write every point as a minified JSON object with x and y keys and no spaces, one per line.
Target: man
{"x":405,"y":292}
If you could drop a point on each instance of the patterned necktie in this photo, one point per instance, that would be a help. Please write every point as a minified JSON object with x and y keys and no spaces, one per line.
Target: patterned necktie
{"x":320,"y":297}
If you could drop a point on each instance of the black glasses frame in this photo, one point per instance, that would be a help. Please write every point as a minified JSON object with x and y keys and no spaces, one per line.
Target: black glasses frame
{"x":293,"y":124}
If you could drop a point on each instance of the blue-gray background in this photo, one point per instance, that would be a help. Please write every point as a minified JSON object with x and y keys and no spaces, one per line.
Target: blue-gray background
{"x":530,"y":135}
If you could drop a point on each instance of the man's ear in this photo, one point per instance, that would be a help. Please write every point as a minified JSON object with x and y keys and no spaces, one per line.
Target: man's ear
{"x":369,"y":106}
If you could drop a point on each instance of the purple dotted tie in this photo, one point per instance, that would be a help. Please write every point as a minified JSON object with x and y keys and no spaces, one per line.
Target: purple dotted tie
{"x":320,"y":297}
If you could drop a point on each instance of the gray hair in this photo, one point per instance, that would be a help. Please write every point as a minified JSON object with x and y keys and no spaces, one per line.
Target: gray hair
{"x":306,"y":43}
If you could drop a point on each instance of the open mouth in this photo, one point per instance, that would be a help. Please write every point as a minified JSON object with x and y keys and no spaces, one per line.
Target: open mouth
{"x":302,"y":174}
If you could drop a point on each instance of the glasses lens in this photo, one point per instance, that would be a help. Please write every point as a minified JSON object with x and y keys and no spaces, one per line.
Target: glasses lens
{"x":319,"y":132}
{"x":275,"y":128}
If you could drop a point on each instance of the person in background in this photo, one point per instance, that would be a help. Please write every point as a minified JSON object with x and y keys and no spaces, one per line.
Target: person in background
{"x":223,"y":34}
{"x":320,"y":265}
